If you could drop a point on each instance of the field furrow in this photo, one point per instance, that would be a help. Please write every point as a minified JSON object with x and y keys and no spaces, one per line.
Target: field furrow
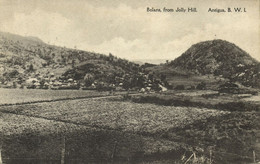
{"x":127,"y":116}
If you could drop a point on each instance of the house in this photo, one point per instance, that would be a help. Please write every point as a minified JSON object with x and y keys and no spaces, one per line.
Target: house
{"x":31,"y":81}
{"x":163,"y":89}
{"x":142,"y":90}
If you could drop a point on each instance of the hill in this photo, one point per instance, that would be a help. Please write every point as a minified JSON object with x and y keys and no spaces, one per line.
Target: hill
{"x":217,"y":58}
{"x":25,"y":59}
{"x":151,"y":61}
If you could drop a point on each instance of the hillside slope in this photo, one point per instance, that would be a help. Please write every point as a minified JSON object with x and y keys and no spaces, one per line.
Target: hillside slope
{"x":23,"y":58}
{"x":219,"y":58}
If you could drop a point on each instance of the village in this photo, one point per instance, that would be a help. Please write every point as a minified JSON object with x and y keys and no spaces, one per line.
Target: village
{"x":55,"y":82}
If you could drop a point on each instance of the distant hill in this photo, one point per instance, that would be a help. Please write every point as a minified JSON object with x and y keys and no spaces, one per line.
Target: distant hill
{"x":217,"y":58}
{"x":18,"y":38}
{"x":22,"y":58}
{"x":151,"y":61}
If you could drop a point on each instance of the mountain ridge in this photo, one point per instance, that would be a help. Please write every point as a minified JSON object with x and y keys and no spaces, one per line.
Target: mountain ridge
{"x":16,"y":37}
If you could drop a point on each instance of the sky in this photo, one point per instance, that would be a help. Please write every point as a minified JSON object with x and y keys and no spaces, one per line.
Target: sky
{"x":125,"y":28}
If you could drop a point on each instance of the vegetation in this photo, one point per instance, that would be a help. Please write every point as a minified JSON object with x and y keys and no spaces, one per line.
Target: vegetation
{"x":141,"y":132}
{"x":18,"y":96}
{"x":62,"y":68}
{"x":114,"y":114}
{"x":35,"y":140}
{"x":220,"y":58}
{"x":207,"y":116}
{"x":203,"y":101}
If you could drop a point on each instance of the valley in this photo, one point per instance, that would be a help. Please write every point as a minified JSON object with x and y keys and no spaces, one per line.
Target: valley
{"x":61,"y":105}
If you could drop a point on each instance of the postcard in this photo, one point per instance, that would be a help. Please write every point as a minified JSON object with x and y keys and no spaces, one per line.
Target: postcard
{"x":128,"y":81}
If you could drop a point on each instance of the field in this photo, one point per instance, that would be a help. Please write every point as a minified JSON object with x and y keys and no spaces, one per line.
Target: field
{"x":146,"y":118}
{"x":17,"y":96}
{"x":205,"y":98}
{"x":39,"y":140}
{"x":129,"y":128}
{"x":180,"y":77}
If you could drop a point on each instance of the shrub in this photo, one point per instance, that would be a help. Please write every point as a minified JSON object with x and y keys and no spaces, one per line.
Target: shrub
{"x":228,"y":106}
{"x":201,"y":86}
{"x":192,"y":87}
{"x":179,"y":87}
{"x":11,"y":74}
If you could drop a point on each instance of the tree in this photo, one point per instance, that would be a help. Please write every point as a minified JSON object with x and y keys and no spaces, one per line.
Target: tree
{"x":88,"y":79}
{"x":30,"y":69}
{"x":42,"y":82}
{"x":14,"y":84}
{"x":126,"y":84}
{"x":150,"y":76}
{"x":73,"y":63}
{"x":140,"y":81}
{"x":201,"y":86}
{"x":11,"y":74}
{"x":163,"y":77}
{"x":111,"y":78}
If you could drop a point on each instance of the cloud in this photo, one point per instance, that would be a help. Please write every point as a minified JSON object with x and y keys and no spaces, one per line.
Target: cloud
{"x":47,"y":26}
{"x":128,"y":31}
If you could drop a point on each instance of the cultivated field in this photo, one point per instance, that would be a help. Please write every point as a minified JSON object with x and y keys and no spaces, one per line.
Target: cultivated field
{"x":148,"y":128}
{"x":128,"y":116}
{"x":38,"y":140}
{"x":16,"y":96}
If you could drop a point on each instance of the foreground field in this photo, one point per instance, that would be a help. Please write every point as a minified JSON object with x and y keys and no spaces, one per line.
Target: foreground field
{"x":143,"y":118}
{"x":36,"y":140}
{"x":118,"y":130}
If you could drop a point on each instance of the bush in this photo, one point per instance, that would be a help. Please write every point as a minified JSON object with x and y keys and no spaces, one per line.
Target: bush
{"x":191,"y":87}
{"x":11,"y":74}
{"x":179,"y":87}
{"x":201,"y":86}
{"x":228,"y":106}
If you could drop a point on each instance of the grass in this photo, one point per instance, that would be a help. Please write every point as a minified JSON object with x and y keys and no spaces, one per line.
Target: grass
{"x":174,"y":126}
{"x":29,"y":139}
{"x":213,"y":101}
{"x":231,"y":138}
{"x":16,"y":96}
{"x":136,"y":128}
{"x":145,"y":118}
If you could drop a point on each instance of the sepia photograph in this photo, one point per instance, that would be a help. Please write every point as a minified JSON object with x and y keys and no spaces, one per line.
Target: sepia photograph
{"x":129,"y":81}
